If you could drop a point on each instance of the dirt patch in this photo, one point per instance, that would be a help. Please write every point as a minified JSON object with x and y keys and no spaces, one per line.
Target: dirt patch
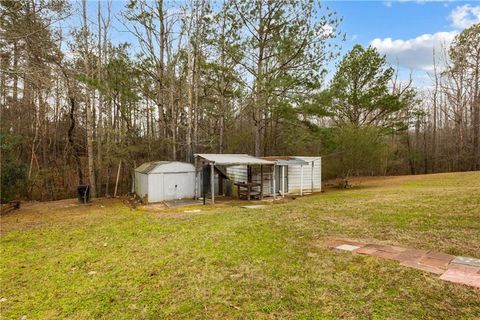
{"x":35,"y":214}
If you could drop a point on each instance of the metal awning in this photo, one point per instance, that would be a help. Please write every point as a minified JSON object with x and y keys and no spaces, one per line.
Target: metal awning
{"x":286,"y":161}
{"x":233,"y":159}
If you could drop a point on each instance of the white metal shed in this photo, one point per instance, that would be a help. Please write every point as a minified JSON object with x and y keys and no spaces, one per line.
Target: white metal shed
{"x":297,"y":174}
{"x":165,"y":180}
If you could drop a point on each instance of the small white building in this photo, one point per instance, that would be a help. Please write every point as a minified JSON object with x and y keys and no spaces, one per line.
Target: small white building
{"x":292,"y":175}
{"x":297,"y":174}
{"x":165,"y":180}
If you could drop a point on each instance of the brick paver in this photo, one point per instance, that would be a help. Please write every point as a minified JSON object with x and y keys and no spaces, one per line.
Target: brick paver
{"x":463,"y":270}
{"x":462,"y":277}
{"x":423,"y":267}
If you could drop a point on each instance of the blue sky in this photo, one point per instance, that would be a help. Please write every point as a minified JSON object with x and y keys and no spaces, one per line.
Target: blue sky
{"x":406,"y":31}
{"x":380,"y":19}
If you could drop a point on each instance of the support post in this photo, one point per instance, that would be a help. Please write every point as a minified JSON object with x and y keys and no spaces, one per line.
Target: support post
{"x":195,"y":195}
{"x":212,"y":181}
{"x":301,"y":180}
{"x":261,"y":182}
{"x":320,"y":168}
{"x":313,"y":163}
{"x":283,"y":181}
{"x":273,"y":180}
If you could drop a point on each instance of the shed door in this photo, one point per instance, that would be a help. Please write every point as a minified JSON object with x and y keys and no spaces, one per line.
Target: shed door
{"x":279,"y":178}
{"x":175,"y":185}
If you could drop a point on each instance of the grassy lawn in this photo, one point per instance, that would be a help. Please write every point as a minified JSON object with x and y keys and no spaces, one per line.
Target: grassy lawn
{"x":107,"y":261}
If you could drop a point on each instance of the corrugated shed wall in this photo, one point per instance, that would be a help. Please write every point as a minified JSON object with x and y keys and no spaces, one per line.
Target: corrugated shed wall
{"x":155,"y":188}
{"x":294,"y":177}
{"x":237,"y":173}
{"x":141,"y":184}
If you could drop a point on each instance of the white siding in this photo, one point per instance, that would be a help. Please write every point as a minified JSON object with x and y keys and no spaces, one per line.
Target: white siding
{"x":141,"y":184}
{"x":237,"y":173}
{"x":294,"y":176}
{"x":240,"y":174}
{"x":155,"y":188}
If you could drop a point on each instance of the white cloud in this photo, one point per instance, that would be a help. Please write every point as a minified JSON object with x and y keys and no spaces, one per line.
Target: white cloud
{"x":416,"y":53}
{"x":326,"y":31}
{"x":465,"y":16}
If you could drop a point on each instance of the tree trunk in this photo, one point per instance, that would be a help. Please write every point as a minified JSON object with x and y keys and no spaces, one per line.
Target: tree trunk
{"x":476,"y":117}
{"x":434,"y":129}
{"x":191,"y":86}
{"x":160,"y":74}
{"x":100,"y":99}
{"x":258,"y":100}
{"x":89,"y":123}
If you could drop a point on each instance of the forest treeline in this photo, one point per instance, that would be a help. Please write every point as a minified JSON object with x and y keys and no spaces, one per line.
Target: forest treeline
{"x":202,"y":76}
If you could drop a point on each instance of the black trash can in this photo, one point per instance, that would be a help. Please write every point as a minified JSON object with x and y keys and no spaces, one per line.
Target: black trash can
{"x":83,"y":194}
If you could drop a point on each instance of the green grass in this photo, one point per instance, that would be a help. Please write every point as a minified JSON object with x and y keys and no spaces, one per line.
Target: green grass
{"x":110,"y":262}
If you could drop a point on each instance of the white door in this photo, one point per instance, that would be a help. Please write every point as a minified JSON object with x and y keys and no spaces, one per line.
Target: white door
{"x":174,"y":185}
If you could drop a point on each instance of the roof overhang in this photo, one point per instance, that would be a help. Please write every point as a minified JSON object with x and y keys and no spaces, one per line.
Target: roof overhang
{"x":232,"y":159}
{"x":286,"y":161}
{"x":146,"y":167}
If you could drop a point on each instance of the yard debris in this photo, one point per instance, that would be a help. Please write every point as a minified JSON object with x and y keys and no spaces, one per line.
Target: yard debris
{"x":131,"y":202}
{"x":12,"y":205}
{"x":192,"y":211}
{"x":3,"y":299}
{"x":92,"y":272}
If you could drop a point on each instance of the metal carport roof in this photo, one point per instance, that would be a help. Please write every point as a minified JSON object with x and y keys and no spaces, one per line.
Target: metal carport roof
{"x":286,"y":160}
{"x":233,"y":159}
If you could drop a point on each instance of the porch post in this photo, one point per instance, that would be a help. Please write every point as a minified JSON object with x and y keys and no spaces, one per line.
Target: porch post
{"x":283,"y":181}
{"x":301,"y":180}
{"x":320,"y":167}
{"x":261,"y":181}
{"x":212,"y":181}
{"x":274,"y":186}
{"x":195,"y":195}
{"x":313,"y":163}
